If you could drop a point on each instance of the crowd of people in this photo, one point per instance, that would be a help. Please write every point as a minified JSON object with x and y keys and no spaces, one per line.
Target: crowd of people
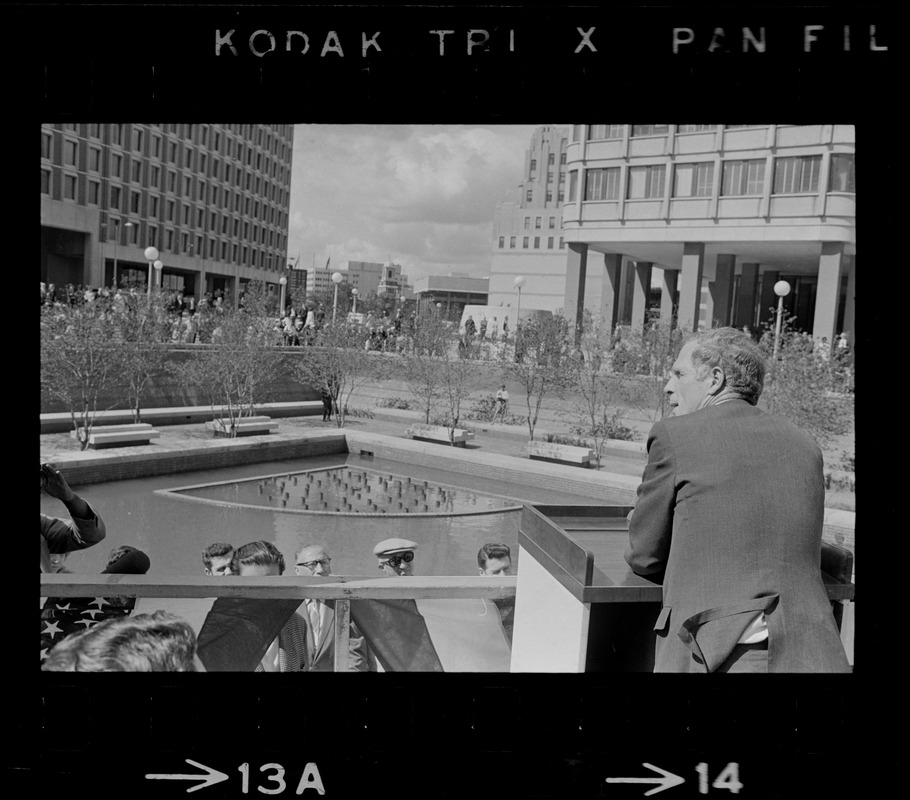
{"x":99,"y":634}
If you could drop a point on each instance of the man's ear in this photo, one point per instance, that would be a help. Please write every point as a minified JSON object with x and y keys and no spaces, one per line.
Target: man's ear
{"x":718,"y":379}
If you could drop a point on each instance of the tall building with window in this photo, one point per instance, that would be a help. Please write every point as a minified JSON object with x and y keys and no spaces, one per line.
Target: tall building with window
{"x":716,"y":214}
{"x":527,"y":229}
{"x":212,"y":199}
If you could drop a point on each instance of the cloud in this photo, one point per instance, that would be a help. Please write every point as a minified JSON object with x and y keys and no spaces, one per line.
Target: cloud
{"x":424,"y":194}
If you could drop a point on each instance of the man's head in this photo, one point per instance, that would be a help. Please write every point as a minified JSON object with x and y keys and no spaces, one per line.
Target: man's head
{"x":313,"y":559}
{"x":159,"y":642}
{"x":395,"y":556}
{"x":58,"y":562}
{"x":494,"y":559}
{"x":721,"y":363}
{"x":257,"y":560}
{"x":217,"y":558}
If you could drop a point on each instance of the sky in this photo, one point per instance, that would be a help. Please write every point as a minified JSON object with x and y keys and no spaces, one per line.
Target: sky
{"x":422,"y":195}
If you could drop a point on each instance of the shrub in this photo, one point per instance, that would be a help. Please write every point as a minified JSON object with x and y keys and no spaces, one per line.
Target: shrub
{"x":395,"y":402}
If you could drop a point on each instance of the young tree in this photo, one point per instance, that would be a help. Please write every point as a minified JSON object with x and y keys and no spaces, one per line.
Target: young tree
{"x":800,"y":384}
{"x":241,"y":359}
{"x":457,"y":364}
{"x":338,"y":363}
{"x":78,"y":359}
{"x":429,"y":340}
{"x":645,"y":359}
{"x":141,"y":330}
{"x":541,"y":362}
{"x":597,"y":389}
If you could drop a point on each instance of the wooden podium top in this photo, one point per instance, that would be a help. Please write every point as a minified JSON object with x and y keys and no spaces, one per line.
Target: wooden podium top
{"x":582,"y":547}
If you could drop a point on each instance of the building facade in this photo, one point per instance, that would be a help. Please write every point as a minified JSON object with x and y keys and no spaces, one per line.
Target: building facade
{"x":450,"y":293}
{"x":367,"y":277}
{"x":212,"y":199}
{"x":723,"y":212}
{"x":527,"y":228}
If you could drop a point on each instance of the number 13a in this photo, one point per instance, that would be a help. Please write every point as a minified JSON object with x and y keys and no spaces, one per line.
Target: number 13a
{"x":728,"y":778}
{"x":310,"y":779}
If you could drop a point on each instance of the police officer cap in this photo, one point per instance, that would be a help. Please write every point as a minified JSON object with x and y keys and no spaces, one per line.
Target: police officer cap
{"x":388,"y":547}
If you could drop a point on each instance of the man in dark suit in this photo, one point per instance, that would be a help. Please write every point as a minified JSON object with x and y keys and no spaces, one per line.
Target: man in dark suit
{"x":729,"y":519}
{"x":313,"y":559}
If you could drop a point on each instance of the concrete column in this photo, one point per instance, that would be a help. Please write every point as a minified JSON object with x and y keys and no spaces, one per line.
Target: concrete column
{"x":830,"y":268}
{"x":850,"y":301}
{"x":721,"y":290}
{"x":626,"y":278}
{"x":609,"y":306}
{"x":690,"y":290}
{"x":576,"y":270}
{"x":767,"y":305}
{"x":667,"y":295}
{"x":745,"y":302}
{"x":641,"y":293}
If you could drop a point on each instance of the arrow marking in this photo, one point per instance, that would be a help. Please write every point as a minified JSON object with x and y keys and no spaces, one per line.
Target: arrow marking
{"x":210,"y":779}
{"x":667,"y":780}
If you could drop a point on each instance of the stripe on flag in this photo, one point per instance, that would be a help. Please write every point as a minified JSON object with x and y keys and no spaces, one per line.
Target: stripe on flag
{"x":434,"y":635}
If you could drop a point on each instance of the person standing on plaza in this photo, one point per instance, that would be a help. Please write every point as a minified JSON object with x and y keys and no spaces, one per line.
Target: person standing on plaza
{"x":483,"y":328}
{"x":729,"y":520}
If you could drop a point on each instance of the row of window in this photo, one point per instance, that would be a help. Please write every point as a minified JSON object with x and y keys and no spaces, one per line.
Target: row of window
{"x":538,"y":221}
{"x":190,"y":214}
{"x":525,"y":242}
{"x":792,"y":175}
{"x":616,"y":131}
{"x":211,"y":194}
{"x":551,"y":161}
{"x":216,"y":168}
{"x":195,"y":245}
{"x":561,"y":195}
{"x":262,"y":137}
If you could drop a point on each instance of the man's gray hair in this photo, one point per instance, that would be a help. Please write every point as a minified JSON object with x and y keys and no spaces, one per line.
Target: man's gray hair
{"x":737,"y":354}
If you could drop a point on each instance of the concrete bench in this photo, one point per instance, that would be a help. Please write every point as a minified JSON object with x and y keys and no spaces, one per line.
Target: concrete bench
{"x":119,"y":435}
{"x":561,"y":453}
{"x":243,"y":426}
{"x":439,"y":433}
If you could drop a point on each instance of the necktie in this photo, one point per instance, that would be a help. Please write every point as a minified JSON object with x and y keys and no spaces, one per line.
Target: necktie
{"x":315,"y":622}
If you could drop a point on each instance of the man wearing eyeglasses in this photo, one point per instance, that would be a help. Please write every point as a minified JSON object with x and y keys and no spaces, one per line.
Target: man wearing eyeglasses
{"x":314,"y":559}
{"x":396,"y":557}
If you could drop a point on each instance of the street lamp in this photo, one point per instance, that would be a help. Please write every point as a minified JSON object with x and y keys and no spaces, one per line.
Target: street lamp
{"x":282,"y":281}
{"x":781,"y":289}
{"x":438,"y":309}
{"x":354,"y":294}
{"x":151,"y":255}
{"x":337,"y":277}
{"x":519,"y":282}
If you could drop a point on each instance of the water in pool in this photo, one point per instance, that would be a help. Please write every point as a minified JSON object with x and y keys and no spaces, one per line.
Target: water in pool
{"x":174,"y":531}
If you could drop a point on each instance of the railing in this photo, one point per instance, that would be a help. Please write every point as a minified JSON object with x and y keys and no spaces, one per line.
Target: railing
{"x":340,"y":589}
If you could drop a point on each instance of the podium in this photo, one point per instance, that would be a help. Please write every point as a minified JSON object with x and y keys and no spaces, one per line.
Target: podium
{"x":578,"y":606}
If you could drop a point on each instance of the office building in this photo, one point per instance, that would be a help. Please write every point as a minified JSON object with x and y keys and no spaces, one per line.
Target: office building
{"x":721,"y":213}
{"x":527,"y":229}
{"x":212,"y":199}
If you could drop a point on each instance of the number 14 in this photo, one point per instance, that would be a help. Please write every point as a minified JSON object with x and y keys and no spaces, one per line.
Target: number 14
{"x":728,"y":778}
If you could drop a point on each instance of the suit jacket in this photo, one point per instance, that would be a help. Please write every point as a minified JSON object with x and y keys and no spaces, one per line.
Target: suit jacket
{"x":360,"y":659}
{"x":729,"y":519}
{"x":65,"y":536}
{"x":293,"y":650}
